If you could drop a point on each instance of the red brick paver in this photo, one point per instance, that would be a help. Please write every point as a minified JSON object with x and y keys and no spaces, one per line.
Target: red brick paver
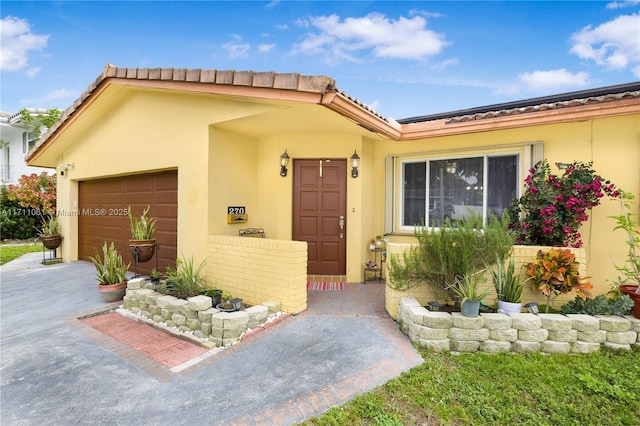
{"x":157,"y":345}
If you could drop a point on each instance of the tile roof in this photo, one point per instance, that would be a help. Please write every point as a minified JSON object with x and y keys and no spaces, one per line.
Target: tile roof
{"x":564,"y":100}
{"x":326,"y":88}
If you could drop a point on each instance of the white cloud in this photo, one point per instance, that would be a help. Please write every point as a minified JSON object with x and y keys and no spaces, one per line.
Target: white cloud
{"x":545,"y":81}
{"x":404,"y":38}
{"x":17,"y":41}
{"x":32,"y":72}
{"x":59,"y":98}
{"x":614,"y":44}
{"x":237,"y":49}
{"x":620,"y":4}
{"x":272,"y":4}
{"x":263,"y":48}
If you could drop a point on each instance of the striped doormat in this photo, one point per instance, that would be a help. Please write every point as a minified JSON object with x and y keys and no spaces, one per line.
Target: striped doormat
{"x":326,"y":285}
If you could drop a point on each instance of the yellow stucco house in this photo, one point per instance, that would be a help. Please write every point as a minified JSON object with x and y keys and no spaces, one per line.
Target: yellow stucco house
{"x":204,"y":149}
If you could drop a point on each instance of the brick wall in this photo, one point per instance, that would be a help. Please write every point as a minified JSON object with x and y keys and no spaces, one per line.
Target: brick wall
{"x":258,"y":269}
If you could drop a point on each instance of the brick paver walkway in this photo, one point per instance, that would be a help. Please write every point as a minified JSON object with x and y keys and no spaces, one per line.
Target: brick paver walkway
{"x":159,"y":346}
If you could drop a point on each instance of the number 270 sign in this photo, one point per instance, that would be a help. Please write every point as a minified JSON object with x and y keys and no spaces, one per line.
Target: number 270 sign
{"x":236,"y":210}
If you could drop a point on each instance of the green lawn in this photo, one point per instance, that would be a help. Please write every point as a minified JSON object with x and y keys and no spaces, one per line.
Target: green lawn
{"x":506,"y":389}
{"x":8,"y":252}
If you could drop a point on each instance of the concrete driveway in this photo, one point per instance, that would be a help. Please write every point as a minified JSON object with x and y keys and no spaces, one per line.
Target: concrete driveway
{"x":54,"y":371}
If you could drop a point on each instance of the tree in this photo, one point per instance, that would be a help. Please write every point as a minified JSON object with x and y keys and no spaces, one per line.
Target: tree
{"x":37,"y":192}
{"x":35,"y":122}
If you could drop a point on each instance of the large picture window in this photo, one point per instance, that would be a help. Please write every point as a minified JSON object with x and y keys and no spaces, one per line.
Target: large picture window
{"x":438,"y":189}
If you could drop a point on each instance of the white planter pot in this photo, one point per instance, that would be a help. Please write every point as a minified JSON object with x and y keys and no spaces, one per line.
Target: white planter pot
{"x":509,"y":308}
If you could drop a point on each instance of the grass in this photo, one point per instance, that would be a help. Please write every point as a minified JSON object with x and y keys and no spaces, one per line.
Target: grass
{"x":8,"y":252}
{"x":484,"y":389}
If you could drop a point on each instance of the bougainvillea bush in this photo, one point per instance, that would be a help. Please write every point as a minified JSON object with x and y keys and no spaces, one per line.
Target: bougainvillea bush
{"x":553,"y":207}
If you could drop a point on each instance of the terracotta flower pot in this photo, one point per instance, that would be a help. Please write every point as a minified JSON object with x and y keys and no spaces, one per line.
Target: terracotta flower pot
{"x":630,"y":290}
{"x":144,"y":248}
{"x":112,"y":292}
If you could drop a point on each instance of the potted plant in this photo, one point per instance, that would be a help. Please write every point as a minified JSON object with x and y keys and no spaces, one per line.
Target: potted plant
{"x":111,"y":273}
{"x":186,"y":280}
{"x":556,"y":271}
{"x":467,"y":290}
{"x":142,"y":242}
{"x":215,"y":295}
{"x":629,"y":282}
{"x":508,"y":285}
{"x":49,"y":232}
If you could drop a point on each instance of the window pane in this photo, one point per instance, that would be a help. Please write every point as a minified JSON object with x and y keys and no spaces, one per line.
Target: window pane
{"x":503,"y":183}
{"x":455,"y":185}
{"x":415,"y":193}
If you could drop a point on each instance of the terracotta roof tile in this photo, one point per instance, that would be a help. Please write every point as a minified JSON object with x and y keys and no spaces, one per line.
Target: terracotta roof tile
{"x":545,"y":106}
{"x":295,"y":82}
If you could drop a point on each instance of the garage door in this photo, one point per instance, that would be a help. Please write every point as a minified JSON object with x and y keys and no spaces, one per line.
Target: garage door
{"x":103,"y":204}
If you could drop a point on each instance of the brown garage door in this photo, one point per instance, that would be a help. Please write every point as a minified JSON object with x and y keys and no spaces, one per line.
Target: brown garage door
{"x":102,"y":207}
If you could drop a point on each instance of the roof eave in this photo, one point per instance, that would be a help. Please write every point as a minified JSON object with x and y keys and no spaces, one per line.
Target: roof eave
{"x":447,"y":127}
{"x":346,"y":107}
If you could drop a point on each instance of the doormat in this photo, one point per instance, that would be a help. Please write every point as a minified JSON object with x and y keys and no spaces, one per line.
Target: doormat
{"x":326,"y":285}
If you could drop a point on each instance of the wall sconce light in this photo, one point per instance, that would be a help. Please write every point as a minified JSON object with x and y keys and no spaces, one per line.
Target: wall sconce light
{"x":355,"y":163}
{"x":284,"y":161}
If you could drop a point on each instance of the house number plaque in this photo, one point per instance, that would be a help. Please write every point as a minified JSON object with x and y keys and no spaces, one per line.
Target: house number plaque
{"x":237,"y":214}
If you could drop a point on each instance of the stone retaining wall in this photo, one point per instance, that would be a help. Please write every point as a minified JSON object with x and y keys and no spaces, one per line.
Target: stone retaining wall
{"x":493,"y":333}
{"x":196,"y":315}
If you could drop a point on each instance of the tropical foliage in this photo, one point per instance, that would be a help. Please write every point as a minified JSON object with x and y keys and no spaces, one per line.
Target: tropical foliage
{"x":556,"y":271}
{"x":143,"y":227}
{"x":631,"y":270}
{"x":110,"y":269}
{"x":506,"y":280}
{"x":186,"y":280}
{"x":553,"y":207}
{"x":49,"y":226}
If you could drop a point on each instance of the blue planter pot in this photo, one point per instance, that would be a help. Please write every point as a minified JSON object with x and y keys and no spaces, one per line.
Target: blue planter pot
{"x":470,"y":308}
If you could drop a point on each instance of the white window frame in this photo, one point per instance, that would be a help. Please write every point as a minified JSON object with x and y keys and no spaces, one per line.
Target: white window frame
{"x":526,"y":153}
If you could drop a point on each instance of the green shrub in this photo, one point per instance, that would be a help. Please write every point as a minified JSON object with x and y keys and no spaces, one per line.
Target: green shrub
{"x":16,"y":222}
{"x":444,"y":255}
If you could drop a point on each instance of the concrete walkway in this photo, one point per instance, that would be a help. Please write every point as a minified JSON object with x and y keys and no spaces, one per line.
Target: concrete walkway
{"x":56,"y":370}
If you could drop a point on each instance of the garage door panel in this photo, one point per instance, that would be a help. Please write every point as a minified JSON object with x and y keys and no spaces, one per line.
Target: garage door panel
{"x":105,"y":203}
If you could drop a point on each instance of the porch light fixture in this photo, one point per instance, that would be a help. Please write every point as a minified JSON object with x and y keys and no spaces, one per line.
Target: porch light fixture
{"x":355,"y":163}
{"x":532,"y":307}
{"x":284,"y":161}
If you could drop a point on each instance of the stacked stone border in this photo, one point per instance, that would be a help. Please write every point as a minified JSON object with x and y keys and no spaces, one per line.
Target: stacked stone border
{"x":195,"y":317}
{"x":520,"y":333}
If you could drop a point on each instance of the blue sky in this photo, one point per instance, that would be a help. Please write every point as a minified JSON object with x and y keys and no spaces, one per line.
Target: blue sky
{"x":401,"y":58}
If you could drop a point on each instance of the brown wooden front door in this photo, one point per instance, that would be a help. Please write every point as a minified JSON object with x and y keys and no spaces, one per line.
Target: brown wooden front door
{"x":319,"y":213}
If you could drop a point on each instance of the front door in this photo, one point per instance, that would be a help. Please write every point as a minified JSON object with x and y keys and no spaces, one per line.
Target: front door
{"x":319,"y":213}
